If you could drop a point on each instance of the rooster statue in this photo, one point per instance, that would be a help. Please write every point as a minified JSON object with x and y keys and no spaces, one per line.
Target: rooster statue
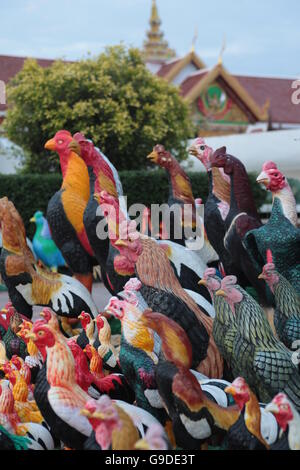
{"x":190,"y":251}
{"x":245,"y":433}
{"x":242,"y":217}
{"x":280,"y":234}
{"x":103,"y":177}
{"x":138,"y":355}
{"x":287,"y":310}
{"x":180,"y":193}
{"x":30,"y":285}
{"x":217,"y":205}
{"x":66,"y":209}
{"x":289,"y":421}
{"x":264,"y":362}
{"x":119,"y":427}
{"x":65,"y":397}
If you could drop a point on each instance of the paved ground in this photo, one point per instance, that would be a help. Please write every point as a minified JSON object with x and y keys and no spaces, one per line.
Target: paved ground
{"x":100,"y":295}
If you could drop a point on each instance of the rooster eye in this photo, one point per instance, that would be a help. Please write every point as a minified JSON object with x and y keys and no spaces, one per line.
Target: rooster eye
{"x":202,"y":147}
{"x":60,"y":142}
{"x":40,"y":333}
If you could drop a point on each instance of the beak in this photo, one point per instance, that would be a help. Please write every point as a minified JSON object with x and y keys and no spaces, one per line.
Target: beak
{"x":31,"y":335}
{"x":97,"y":196}
{"x":142,"y":444}
{"x":261,"y":276}
{"x":272,"y":408}
{"x":120,"y":242}
{"x":263,"y":178}
{"x":221,"y":293}
{"x":85,"y":413}
{"x":99,"y":415}
{"x":80,"y":317}
{"x":192,"y":150}
{"x":202,"y":282}
{"x":230,"y":390}
{"x":50,"y":144}
{"x":32,"y":219}
{"x":153,"y":157}
{"x":109,"y":312}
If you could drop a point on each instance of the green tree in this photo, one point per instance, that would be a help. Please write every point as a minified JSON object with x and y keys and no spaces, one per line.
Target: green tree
{"x":113,"y":99}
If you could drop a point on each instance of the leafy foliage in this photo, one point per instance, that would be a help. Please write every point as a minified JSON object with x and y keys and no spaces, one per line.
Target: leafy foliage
{"x":32,"y":192}
{"x":113,"y":99}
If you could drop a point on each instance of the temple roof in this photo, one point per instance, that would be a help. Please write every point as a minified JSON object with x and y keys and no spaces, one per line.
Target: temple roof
{"x":193,"y":86}
{"x":266,"y":96}
{"x":169,"y":70}
{"x":279,"y":93}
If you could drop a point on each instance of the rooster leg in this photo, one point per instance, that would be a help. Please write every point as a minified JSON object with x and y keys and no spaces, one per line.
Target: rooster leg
{"x":86,"y":280}
{"x":170,"y":433}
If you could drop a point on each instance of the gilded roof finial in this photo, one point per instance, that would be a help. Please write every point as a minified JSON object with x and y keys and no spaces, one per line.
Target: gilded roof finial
{"x":155,"y":47}
{"x":195,"y":39}
{"x":154,"y":13}
{"x":220,"y":59}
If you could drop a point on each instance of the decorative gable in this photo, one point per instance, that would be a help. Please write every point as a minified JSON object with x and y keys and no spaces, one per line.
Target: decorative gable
{"x":215,"y":105}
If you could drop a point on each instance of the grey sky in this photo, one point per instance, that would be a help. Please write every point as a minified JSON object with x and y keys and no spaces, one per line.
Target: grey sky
{"x":262,"y":36}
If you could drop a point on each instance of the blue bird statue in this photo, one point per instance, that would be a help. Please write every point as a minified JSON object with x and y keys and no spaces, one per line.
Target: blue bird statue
{"x":43,"y":246}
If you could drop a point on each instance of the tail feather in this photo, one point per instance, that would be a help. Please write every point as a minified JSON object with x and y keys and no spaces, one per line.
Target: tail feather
{"x":175,"y":343}
{"x":108,"y":383}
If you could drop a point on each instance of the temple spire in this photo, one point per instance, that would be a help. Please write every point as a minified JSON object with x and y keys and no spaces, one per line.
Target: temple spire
{"x":155,"y":47}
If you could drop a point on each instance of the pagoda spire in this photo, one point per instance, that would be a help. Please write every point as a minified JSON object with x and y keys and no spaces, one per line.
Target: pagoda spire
{"x":155,"y":47}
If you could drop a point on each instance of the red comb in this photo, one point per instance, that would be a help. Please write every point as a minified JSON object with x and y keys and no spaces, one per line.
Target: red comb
{"x":269,"y":166}
{"x":269,"y":256}
{"x":100,"y":322}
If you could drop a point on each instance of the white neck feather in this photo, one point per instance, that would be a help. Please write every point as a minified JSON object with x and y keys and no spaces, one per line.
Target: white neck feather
{"x":288,"y":203}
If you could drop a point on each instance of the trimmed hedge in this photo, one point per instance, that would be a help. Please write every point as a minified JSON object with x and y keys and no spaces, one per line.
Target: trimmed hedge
{"x":32,"y":192}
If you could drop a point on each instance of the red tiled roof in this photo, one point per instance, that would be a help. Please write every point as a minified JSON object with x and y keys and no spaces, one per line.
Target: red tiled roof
{"x":191,"y":81}
{"x":279,"y":91}
{"x":11,"y":65}
{"x":165,"y":68}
